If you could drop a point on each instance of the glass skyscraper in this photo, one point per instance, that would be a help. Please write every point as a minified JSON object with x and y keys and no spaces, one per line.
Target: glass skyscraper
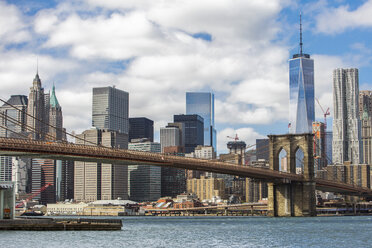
{"x":202,"y":104}
{"x":301,"y":93}
{"x":194,"y":134}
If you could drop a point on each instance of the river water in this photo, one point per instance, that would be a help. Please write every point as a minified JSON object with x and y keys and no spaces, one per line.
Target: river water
{"x":350,"y":231}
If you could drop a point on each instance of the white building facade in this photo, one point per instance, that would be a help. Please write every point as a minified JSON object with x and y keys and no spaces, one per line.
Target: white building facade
{"x":347,"y":144}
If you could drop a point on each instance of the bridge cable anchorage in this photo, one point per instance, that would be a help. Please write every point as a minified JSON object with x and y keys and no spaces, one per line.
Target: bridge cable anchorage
{"x":40,"y":121}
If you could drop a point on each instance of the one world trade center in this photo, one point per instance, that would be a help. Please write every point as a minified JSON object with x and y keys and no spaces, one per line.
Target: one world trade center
{"x":301,"y":92}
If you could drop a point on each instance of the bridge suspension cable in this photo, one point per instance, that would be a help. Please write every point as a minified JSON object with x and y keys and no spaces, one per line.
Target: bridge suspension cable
{"x":19,"y":123}
{"x":8,"y":129}
{"x":40,"y":121}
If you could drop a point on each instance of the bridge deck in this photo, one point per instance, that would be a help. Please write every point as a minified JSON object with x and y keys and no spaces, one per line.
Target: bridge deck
{"x":69,"y":151}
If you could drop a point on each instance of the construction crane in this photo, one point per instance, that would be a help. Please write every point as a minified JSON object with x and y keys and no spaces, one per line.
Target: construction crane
{"x":33,"y":195}
{"x":249,"y":146}
{"x":325,"y":113}
{"x":236,"y":138}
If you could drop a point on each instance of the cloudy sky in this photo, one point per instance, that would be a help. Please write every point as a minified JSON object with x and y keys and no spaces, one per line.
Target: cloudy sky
{"x":159,"y":49}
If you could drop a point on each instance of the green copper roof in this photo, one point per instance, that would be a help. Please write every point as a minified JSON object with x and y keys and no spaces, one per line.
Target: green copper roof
{"x":365,"y":113}
{"x":53,"y":99}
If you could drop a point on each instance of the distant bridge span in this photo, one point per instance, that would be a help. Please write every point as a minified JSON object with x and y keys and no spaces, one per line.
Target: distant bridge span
{"x":69,"y":151}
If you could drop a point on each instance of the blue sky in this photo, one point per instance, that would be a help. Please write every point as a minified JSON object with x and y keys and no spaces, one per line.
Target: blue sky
{"x":158,"y":50}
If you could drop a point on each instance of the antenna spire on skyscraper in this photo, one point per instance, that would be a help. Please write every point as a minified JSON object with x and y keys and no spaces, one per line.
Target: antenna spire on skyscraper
{"x":300,"y":34}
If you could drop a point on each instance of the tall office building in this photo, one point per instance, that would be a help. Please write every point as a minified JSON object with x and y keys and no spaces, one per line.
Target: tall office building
{"x":194,"y":134}
{"x":5,"y":168}
{"x":365,"y":102}
{"x":320,"y":160}
{"x":203,"y":152}
{"x":110,"y":109}
{"x":12,"y":123}
{"x":14,"y":120}
{"x":347,"y":144}
{"x":262,"y":149}
{"x":181,"y":128}
{"x":328,"y":142}
{"x":301,"y":92}
{"x":21,"y":174}
{"x":43,"y":173}
{"x":55,"y":118}
{"x":170,"y":136}
{"x":64,"y":180}
{"x":144,"y":182}
{"x":141,"y":127}
{"x":101,"y":181}
{"x":38,"y":107}
{"x":173,"y":180}
{"x":365,"y":112}
{"x":202,"y":104}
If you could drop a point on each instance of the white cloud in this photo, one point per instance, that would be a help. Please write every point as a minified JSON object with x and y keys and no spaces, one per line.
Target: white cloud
{"x":147,"y":49}
{"x":12,"y":27}
{"x":337,"y":20}
{"x":115,"y":37}
{"x":17,"y":70}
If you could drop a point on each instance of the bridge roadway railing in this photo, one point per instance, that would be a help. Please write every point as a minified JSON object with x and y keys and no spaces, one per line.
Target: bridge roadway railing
{"x":98,"y":153}
{"x":63,"y":150}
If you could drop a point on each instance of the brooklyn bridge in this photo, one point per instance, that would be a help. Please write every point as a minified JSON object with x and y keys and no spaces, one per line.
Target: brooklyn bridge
{"x":290,"y":194}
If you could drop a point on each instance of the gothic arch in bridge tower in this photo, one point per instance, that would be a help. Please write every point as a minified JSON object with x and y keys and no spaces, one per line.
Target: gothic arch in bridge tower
{"x":283,"y":160}
{"x":290,"y":198}
{"x":299,"y":160}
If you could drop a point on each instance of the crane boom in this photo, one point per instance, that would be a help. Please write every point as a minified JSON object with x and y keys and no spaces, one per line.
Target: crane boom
{"x":236,"y":138}
{"x":325,"y":113}
{"x":33,"y":195}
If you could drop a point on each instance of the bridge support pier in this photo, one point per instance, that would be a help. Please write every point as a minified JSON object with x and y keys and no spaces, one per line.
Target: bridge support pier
{"x":291,"y":198}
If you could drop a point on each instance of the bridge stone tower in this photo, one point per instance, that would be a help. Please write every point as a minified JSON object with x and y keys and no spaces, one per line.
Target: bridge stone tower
{"x":291,"y":198}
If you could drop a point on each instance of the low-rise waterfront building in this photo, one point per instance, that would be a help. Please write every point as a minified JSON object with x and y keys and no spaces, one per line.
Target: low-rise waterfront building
{"x":66,"y":208}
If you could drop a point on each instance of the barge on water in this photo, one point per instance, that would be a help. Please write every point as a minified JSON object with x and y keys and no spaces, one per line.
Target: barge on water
{"x":61,"y":224}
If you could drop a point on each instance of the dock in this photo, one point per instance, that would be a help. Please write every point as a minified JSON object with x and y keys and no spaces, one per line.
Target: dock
{"x":61,"y":224}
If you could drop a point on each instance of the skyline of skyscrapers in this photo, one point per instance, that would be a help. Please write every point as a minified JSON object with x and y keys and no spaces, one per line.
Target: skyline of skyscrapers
{"x":202,"y":104}
{"x":187,"y":130}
